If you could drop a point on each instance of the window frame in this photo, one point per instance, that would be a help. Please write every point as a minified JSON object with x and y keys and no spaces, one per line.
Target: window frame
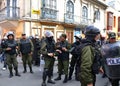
{"x":70,"y":10}
{"x":97,"y":14}
{"x":70,"y":7}
{"x":85,"y":12}
{"x":49,"y":9}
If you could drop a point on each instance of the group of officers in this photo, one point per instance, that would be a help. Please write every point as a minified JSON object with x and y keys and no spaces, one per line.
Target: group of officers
{"x":50,"y":49}
{"x":11,"y":48}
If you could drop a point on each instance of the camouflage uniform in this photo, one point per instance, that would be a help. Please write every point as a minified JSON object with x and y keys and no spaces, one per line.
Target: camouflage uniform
{"x":26,"y":49}
{"x":63,"y":58}
{"x":48,"y":47}
{"x":9,"y":48}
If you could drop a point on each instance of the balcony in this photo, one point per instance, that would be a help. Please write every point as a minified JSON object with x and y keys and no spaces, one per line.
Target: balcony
{"x":10,"y":13}
{"x":86,"y":21}
{"x":73,"y":19}
{"x":49,"y":14}
{"x":68,"y":18}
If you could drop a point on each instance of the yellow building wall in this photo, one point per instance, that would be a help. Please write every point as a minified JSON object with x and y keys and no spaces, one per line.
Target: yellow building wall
{"x":59,"y":27}
{"x":19,"y":30}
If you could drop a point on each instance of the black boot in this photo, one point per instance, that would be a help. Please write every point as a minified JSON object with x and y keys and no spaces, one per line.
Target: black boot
{"x":31,"y":70}
{"x":70,"y":73}
{"x":58,"y":78}
{"x":11,"y":73}
{"x":25,"y":70}
{"x":16,"y":72}
{"x":76,"y":77}
{"x":70,"y":77}
{"x":44,"y":78}
{"x":50,"y":80}
{"x":65,"y":79}
{"x":43,"y":84}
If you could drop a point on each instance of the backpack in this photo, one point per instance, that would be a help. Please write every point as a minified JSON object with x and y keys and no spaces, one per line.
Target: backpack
{"x":96,"y":63}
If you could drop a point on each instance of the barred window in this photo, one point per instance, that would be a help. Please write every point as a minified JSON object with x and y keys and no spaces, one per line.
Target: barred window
{"x":85,"y":12}
{"x":49,"y":9}
{"x":50,"y":4}
{"x":97,"y":14}
{"x":70,"y":7}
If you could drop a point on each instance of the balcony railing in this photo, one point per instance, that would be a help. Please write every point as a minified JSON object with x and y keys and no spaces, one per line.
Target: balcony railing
{"x":48,"y":13}
{"x":10,"y":13}
{"x":86,"y":21}
{"x":69,"y":18}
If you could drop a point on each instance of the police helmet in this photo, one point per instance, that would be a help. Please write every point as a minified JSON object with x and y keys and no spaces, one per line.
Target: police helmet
{"x":92,"y":31}
{"x":10,"y":33}
{"x":111,"y":35}
{"x":78,"y":36}
{"x":48,"y":33}
{"x":31,"y":37}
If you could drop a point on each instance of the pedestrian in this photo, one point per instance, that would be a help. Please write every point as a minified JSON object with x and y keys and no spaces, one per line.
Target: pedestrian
{"x":3,"y":54}
{"x":9,"y":47}
{"x":63,"y":58}
{"x":74,"y":57}
{"x":57,"y":46}
{"x":86,"y":74}
{"x":26,"y":48}
{"x":48,"y":51}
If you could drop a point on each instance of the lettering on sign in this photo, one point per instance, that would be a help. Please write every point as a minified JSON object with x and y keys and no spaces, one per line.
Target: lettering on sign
{"x":113,"y":61}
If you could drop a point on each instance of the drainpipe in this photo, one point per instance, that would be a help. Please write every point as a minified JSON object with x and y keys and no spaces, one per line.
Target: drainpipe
{"x":64,"y":14}
{"x":38,"y":20}
{"x":24,"y":15}
{"x":30,"y":17}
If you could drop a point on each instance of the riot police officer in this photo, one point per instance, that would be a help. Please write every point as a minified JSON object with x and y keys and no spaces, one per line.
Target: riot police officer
{"x":63,"y":57}
{"x":74,"y":57}
{"x":26,"y":49}
{"x":112,"y":40}
{"x":36,"y":53}
{"x":48,"y":51}
{"x":87,"y":74}
{"x":10,"y":46}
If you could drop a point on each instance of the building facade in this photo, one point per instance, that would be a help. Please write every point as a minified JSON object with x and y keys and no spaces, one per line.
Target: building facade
{"x":59,"y":16}
{"x":113,"y":16}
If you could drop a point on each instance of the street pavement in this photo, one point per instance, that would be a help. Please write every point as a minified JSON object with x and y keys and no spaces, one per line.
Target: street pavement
{"x":35,"y":79}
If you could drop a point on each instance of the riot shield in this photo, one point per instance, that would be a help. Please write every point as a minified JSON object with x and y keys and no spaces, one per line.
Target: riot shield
{"x":111,"y":59}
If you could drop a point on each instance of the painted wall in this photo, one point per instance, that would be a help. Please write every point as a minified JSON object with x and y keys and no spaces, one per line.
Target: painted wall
{"x":19,"y":30}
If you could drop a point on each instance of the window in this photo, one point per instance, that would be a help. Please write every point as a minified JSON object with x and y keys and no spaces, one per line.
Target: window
{"x":49,"y":9}
{"x":14,"y":8}
{"x":0,"y":4}
{"x":97,"y":14}
{"x":53,"y":4}
{"x":70,"y":7}
{"x":84,"y":12}
{"x":69,"y":10}
{"x":8,"y":8}
{"x":49,"y":4}
{"x":114,"y":21}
